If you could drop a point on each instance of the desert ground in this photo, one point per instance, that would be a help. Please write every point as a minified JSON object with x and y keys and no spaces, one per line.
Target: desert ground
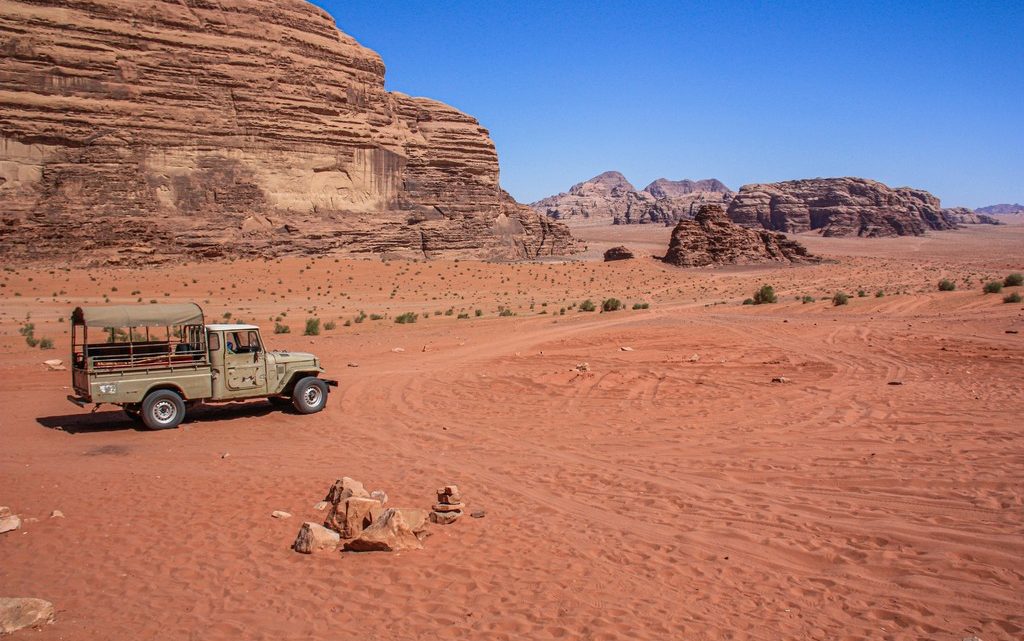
{"x":670,"y":491}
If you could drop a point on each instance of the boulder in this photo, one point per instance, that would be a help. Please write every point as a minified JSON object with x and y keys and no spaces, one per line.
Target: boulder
{"x":444,"y":518}
{"x":344,"y":488}
{"x":313,"y":537}
{"x":380,"y":495}
{"x":415,"y":518}
{"x":16,"y":614}
{"x":353,"y":515}
{"x":618,"y":253}
{"x":9,"y":523}
{"x":712,"y":239}
{"x":389,"y":533}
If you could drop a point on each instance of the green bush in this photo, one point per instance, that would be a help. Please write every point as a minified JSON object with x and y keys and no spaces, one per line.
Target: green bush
{"x":748,"y":301}
{"x":840,"y":299}
{"x":282,"y":329}
{"x":993,"y":287}
{"x":329,"y":325}
{"x":506,"y":312}
{"x":1014,"y":280}
{"x":479,"y":313}
{"x":408,"y":317}
{"x":946,"y":285}
{"x":611,"y":305}
{"x":861,"y":293}
{"x":361,"y":317}
{"x":587,"y":306}
{"x":312,"y":327}
{"x":880,"y":293}
{"x":1009,"y":298}
{"x":374,"y":317}
{"x":765,"y":295}
{"x":463,"y":315}
{"x":641,"y":305}
{"x":46,"y":343}
{"x":807,"y":299}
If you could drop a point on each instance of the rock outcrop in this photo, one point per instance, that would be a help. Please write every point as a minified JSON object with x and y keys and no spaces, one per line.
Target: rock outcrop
{"x":712,"y":239}
{"x":838,"y":207}
{"x":1002,"y":208}
{"x":611,"y":199}
{"x":618,"y":253}
{"x":965,"y":216}
{"x":16,"y":614}
{"x":389,"y":533}
{"x":146,"y":131}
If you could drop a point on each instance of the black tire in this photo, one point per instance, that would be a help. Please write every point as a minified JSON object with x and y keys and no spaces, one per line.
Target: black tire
{"x":163,"y":410}
{"x":280,"y":401}
{"x":310,"y":395}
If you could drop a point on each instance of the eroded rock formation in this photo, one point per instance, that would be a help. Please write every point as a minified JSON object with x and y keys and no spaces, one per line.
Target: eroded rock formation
{"x":146,"y":131}
{"x":838,"y":207}
{"x":611,"y":199}
{"x":712,"y":239}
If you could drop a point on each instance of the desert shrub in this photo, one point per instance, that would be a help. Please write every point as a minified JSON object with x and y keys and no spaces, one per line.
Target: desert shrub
{"x":946,"y":285}
{"x":329,"y":325}
{"x":765,"y":295}
{"x":840,"y":299}
{"x":374,"y":317}
{"x":1009,"y":298}
{"x":587,"y":306}
{"x":449,"y":311}
{"x":506,"y":312}
{"x":282,"y":329}
{"x":641,"y":305}
{"x":47,"y":343}
{"x":1014,"y":280}
{"x":993,"y":287}
{"x":408,"y":317}
{"x":880,"y":293}
{"x":611,"y":305}
{"x":361,"y":317}
{"x":312,"y":327}
{"x":478,"y":313}
{"x":463,"y":316}
{"x":807,"y":299}
{"x":748,"y":301}
{"x":347,"y":323}
{"x":861,"y":293}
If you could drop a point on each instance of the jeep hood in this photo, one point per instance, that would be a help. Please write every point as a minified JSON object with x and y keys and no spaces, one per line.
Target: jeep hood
{"x":283,"y":358}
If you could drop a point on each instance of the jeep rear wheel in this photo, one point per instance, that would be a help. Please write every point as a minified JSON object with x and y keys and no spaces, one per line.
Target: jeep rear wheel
{"x":163,"y":410}
{"x":310,"y":395}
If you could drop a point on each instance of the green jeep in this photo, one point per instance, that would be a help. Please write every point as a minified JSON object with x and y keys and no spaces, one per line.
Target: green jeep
{"x":157,"y":360}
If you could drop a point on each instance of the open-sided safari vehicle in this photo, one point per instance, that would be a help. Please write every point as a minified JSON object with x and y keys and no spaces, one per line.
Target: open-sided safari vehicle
{"x":155,"y":361}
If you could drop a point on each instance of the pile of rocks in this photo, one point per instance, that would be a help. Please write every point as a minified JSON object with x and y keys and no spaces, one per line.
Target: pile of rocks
{"x":449,"y":505}
{"x":360,"y":521}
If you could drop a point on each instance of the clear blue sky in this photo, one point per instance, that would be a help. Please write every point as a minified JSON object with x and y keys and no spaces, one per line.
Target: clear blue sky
{"x":926,"y":94}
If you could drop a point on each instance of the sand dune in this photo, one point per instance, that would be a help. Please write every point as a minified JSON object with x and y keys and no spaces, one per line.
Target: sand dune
{"x":655,"y":496}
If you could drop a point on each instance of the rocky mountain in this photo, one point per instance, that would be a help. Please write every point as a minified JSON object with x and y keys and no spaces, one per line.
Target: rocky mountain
{"x":965,"y":216}
{"x":1004,"y":208}
{"x":609,"y":198}
{"x":712,"y":239}
{"x":838,"y":207}
{"x":146,"y":131}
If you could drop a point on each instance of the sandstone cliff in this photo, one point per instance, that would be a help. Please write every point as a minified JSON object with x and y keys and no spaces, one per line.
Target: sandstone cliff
{"x":183,"y":127}
{"x":712,"y":239}
{"x":965,"y":216}
{"x":611,"y":199}
{"x":838,"y":207}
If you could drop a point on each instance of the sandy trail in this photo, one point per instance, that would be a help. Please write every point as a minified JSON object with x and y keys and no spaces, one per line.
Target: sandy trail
{"x":656,"y":496}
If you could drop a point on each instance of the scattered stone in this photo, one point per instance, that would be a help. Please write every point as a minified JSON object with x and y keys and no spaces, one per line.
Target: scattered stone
{"x":895,"y":382}
{"x":619,"y":253}
{"x":380,"y":495}
{"x":444,"y":518}
{"x":389,"y":533}
{"x":280,"y":514}
{"x":397,"y":349}
{"x":16,"y":614}
{"x":625,"y":349}
{"x":321,"y":506}
{"x":479,"y":514}
{"x":780,"y":379}
{"x":582,"y":367}
{"x":225,"y":455}
{"x":694,"y":358}
{"x":56,"y":514}
{"x":353,"y":364}
{"x":9,"y":523}
{"x":55,"y":365}
{"x":313,"y":537}
{"x":449,"y":505}
{"x":5,"y":511}
{"x":1011,"y":331}
{"x":351,"y":516}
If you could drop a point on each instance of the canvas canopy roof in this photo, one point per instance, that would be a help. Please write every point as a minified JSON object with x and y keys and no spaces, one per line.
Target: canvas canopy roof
{"x":138,"y":315}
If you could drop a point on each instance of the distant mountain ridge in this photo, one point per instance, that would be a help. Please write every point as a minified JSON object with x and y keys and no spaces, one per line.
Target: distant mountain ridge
{"x":1002,"y":208}
{"x":609,"y":198}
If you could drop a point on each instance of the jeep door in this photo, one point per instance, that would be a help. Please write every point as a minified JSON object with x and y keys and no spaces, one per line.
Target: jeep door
{"x":245,"y":368}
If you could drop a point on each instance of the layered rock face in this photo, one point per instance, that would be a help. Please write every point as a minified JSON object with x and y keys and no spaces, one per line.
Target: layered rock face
{"x":838,"y":207}
{"x":150,"y":130}
{"x":611,"y":199}
{"x":965,"y":216}
{"x":1002,"y":208}
{"x":712,"y":239}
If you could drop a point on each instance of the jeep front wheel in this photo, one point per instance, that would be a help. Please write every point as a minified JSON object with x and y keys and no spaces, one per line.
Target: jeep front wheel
{"x":163,"y":410}
{"x":310,"y":395}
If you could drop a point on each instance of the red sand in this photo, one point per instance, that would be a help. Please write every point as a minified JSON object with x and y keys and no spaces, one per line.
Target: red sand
{"x":656,"y":497}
